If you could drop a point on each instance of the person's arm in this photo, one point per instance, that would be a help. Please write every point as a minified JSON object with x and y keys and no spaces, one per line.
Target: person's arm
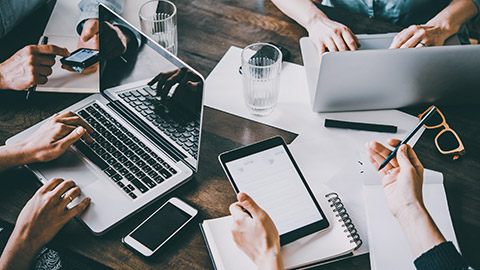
{"x":255,"y":234}
{"x":39,"y":221}
{"x":89,"y":10}
{"x":50,"y":141}
{"x":445,"y":24}
{"x":325,"y":33}
{"x":402,"y":181}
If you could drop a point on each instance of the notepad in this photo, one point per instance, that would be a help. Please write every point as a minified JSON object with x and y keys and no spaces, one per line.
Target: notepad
{"x":333,"y":244}
{"x":389,"y":248}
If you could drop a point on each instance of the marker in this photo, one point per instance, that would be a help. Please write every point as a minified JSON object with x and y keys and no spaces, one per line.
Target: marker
{"x":360,"y":126}
{"x":33,"y":88}
{"x":409,"y":136}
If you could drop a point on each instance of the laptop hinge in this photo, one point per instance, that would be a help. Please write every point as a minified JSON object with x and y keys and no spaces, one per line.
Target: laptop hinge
{"x":150,"y":133}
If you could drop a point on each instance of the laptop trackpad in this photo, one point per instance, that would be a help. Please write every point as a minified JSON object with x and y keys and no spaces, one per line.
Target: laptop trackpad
{"x":69,"y":167}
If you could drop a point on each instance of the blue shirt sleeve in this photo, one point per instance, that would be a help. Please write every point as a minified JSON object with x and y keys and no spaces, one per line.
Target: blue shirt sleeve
{"x":89,"y":9}
{"x":12,"y":12}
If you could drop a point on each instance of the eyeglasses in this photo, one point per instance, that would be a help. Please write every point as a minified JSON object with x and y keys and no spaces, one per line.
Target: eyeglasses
{"x":447,"y":140}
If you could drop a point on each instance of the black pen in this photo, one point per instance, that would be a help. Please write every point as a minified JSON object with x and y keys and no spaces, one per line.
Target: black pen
{"x":33,"y":88}
{"x":360,"y":126}
{"x":409,"y":136}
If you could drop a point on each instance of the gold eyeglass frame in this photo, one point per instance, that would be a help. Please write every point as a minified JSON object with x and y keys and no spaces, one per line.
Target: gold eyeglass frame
{"x":457,"y":152}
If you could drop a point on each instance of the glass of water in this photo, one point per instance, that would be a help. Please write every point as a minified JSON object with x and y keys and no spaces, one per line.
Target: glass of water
{"x":158,"y":19}
{"x":261,"y":66}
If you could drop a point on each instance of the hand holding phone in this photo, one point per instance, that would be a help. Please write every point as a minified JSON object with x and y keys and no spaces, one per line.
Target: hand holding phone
{"x":81,"y":59}
{"x":160,"y":227}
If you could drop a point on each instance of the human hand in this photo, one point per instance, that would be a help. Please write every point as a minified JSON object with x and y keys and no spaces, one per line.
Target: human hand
{"x":89,"y":39}
{"x":416,"y":36}
{"x":29,"y":66}
{"x":402,"y":178}
{"x":54,"y":137}
{"x":255,"y":233}
{"x":46,"y":213}
{"x":188,"y":91}
{"x":114,"y":41}
{"x":332,"y":36}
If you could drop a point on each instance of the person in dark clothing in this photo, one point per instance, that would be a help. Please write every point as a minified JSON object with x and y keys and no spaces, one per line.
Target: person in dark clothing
{"x":402,"y":179}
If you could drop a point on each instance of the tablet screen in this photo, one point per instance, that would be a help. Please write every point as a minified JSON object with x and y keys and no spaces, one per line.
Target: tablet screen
{"x":271,"y":179}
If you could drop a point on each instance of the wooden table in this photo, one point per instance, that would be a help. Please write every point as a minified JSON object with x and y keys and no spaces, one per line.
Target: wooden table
{"x":207,"y":28}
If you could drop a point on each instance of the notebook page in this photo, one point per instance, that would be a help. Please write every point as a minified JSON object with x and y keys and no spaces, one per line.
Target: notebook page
{"x":319,"y":246}
{"x":223,"y":249}
{"x":270,"y":178}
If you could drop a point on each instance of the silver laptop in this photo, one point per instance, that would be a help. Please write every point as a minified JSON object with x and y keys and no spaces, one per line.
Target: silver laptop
{"x":378,"y":78}
{"x":144,"y":147}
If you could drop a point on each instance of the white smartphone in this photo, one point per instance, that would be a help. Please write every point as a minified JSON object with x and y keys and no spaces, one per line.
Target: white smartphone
{"x":158,"y":228}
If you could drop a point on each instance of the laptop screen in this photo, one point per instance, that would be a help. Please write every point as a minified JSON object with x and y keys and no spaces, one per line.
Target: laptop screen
{"x":154,"y":85}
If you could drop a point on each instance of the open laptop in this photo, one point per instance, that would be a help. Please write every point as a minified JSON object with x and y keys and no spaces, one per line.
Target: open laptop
{"x":143,"y":147}
{"x":375,"y":77}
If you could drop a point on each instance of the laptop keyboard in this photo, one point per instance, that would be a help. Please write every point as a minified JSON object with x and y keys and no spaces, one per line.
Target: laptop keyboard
{"x":184,"y":133}
{"x":132,"y":165}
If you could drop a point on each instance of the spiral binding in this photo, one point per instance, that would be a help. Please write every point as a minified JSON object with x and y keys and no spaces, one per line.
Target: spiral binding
{"x":341,"y":212}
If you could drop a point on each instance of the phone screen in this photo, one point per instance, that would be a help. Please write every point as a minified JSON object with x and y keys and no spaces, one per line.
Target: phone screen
{"x":159,"y":227}
{"x":82,"y":55}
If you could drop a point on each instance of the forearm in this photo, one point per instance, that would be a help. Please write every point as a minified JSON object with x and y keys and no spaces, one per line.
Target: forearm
{"x":17,"y":253}
{"x":451,"y":18}
{"x":304,"y":12}
{"x":420,"y":230}
{"x":13,"y":155}
{"x":89,"y":9}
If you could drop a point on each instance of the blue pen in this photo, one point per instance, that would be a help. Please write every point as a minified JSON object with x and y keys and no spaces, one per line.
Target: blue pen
{"x":33,"y":88}
{"x":409,"y":136}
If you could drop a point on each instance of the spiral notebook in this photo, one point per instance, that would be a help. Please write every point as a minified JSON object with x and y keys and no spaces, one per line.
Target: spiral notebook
{"x":337,"y":242}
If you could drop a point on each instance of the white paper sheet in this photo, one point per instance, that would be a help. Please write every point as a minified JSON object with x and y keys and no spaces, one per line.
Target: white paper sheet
{"x":389,"y":248}
{"x":336,"y":157}
{"x":224,"y":91}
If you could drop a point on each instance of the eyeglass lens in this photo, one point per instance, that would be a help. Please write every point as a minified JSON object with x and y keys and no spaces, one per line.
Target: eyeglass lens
{"x":435,"y":120}
{"x":447,"y":141}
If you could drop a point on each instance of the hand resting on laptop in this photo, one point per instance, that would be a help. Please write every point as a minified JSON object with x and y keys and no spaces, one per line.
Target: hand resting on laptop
{"x":49,"y":142}
{"x":46,"y":212}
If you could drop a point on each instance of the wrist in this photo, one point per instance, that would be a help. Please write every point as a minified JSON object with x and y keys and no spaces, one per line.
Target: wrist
{"x":445,"y":28}
{"x":2,"y":79}
{"x":20,"y":246}
{"x":15,"y":154}
{"x":23,"y":153}
{"x":315,"y":18}
{"x":410,"y":213}
{"x":270,"y":259}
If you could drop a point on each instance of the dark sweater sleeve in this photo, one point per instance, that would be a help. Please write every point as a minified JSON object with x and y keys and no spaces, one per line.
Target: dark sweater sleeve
{"x":441,"y":257}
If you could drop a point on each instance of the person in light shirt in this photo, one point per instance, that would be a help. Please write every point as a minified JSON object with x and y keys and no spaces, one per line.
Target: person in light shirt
{"x":425,"y":22}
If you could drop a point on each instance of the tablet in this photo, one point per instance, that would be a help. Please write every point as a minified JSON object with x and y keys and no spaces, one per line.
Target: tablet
{"x":267,"y":172}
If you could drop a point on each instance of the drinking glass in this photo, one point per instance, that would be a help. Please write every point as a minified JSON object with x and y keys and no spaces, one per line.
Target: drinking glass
{"x":158,"y":19}
{"x":261,"y":66}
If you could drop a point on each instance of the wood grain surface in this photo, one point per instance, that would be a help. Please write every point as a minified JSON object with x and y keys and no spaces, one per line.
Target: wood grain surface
{"x":206,"y":29}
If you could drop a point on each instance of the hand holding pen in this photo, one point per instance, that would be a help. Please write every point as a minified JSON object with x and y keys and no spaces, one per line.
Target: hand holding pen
{"x":409,"y":136}
{"x":41,"y":59}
